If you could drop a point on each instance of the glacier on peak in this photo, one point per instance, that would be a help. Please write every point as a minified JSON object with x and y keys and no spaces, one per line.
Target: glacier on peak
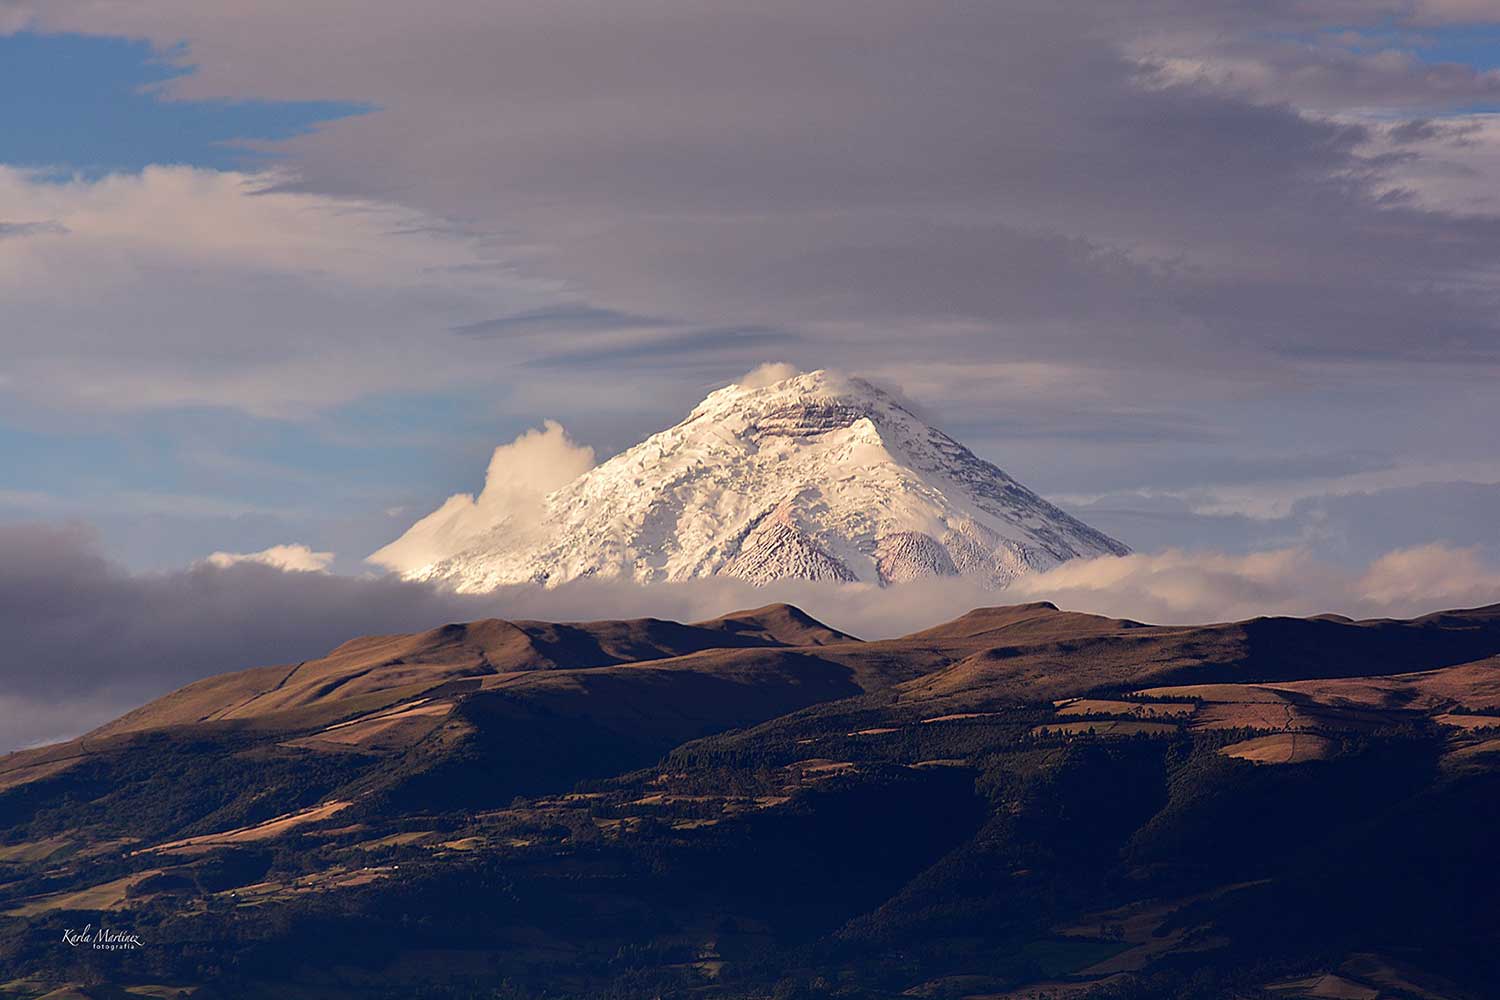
{"x":816,"y":476}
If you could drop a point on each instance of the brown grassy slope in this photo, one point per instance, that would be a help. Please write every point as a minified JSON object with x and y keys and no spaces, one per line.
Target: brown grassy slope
{"x":401,"y":665}
{"x":671,"y":699}
{"x":1035,"y":651}
{"x":1021,"y":652}
{"x":1040,"y":620}
{"x":633,"y":673}
{"x":24,"y":766}
{"x":1463,"y":696}
{"x":370,"y":677}
{"x":687,"y":696}
{"x":777,"y":625}
{"x":1471,"y":686}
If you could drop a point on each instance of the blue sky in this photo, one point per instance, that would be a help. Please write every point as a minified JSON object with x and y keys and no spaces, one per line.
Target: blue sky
{"x":1476,"y":45}
{"x":168,"y":488}
{"x":92,"y":104}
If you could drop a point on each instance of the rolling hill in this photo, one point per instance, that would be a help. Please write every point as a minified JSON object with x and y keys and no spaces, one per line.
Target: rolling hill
{"x":1023,"y":802}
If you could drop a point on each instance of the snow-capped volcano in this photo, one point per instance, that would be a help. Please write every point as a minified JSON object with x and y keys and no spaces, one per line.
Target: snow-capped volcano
{"x":815,"y":477}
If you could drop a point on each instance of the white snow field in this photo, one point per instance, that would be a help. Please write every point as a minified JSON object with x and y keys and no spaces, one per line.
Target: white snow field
{"x":817,"y":476}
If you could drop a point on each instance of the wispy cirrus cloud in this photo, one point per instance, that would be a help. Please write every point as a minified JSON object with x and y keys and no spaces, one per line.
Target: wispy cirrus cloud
{"x":799,"y":166}
{"x":179,"y":287}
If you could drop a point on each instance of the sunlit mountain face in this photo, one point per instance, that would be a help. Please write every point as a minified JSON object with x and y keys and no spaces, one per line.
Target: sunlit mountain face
{"x":815,"y":477}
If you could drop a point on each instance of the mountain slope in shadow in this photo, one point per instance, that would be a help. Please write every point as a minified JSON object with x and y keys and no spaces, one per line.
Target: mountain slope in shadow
{"x":1023,"y":799}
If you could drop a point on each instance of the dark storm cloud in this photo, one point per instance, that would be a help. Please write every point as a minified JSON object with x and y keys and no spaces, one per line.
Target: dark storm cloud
{"x":77,"y":623}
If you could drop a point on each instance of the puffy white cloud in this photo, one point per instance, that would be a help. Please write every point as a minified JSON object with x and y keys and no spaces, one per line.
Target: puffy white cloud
{"x":519,"y":476}
{"x":1177,"y":586}
{"x":768,"y":374}
{"x":1424,"y":574}
{"x":293,"y":558}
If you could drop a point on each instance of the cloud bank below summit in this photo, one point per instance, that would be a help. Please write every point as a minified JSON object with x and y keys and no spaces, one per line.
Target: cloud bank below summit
{"x":291,"y":558}
{"x":87,"y":640}
{"x":519,"y":476}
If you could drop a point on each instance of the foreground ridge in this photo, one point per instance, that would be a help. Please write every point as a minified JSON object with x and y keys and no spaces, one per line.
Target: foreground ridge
{"x":1023,"y":802}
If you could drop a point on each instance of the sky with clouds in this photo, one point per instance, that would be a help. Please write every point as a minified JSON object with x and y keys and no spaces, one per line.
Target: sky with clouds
{"x":1213,"y":275}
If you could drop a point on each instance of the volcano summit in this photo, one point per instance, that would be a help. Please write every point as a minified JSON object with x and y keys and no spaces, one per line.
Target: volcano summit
{"x":815,"y":477}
